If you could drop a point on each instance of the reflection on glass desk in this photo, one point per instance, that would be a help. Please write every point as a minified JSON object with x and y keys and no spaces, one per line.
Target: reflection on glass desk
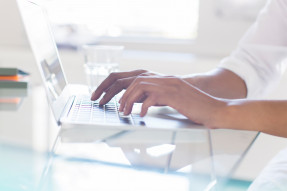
{"x":37,"y":155}
{"x":12,"y":98}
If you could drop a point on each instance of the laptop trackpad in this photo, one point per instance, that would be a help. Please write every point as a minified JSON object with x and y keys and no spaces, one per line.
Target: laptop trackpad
{"x":165,"y":117}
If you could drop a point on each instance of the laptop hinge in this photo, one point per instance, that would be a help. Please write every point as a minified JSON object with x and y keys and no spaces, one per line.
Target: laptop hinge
{"x":67,"y":108}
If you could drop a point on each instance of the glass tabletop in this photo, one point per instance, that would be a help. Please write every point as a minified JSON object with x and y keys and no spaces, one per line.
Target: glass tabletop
{"x":37,"y":155}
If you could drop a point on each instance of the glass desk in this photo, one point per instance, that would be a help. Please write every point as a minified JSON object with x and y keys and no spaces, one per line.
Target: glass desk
{"x":37,"y":155}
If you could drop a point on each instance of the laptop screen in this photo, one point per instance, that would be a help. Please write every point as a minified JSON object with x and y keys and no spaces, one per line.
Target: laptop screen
{"x":44,"y":47}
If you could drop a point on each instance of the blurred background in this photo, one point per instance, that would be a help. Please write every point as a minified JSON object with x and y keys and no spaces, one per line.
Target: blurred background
{"x":169,"y":36}
{"x":157,"y":35}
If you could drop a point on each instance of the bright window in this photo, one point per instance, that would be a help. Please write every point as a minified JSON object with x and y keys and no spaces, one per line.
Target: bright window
{"x":153,"y":19}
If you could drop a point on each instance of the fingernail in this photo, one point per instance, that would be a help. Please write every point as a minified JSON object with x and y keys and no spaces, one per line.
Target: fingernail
{"x":101,"y":102}
{"x":93,"y":95}
{"x":121,"y":108}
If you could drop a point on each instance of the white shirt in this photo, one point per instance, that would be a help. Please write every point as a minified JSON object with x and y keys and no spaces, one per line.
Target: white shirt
{"x":260,"y":58}
{"x":274,"y":176}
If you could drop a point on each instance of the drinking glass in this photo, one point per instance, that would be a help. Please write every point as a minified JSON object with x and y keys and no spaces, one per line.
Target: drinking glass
{"x":100,"y":61}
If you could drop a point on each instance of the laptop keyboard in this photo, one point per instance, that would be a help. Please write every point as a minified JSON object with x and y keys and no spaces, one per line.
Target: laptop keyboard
{"x":85,"y":110}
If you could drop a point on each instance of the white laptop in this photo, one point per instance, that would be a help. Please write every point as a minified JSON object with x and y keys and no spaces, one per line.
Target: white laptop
{"x":75,"y":110}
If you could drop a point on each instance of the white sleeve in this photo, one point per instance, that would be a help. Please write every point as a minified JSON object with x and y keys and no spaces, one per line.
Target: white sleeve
{"x":259,"y":57}
{"x":273,"y":176}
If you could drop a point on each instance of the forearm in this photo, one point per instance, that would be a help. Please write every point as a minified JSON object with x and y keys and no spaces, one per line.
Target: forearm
{"x":265,"y":116}
{"x":220,"y":83}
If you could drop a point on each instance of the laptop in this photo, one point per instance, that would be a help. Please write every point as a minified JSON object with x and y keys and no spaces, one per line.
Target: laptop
{"x":70,"y":103}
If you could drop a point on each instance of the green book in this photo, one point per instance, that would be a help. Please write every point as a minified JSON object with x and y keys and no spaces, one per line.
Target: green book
{"x":22,"y":81}
{"x":13,"y":84}
{"x":11,"y":72}
{"x":13,"y":92}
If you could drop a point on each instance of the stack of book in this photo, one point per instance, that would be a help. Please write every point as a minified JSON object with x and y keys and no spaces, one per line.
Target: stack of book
{"x":13,"y":88}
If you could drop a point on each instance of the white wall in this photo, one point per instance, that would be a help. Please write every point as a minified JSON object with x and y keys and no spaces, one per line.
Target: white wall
{"x":216,"y":36}
{"x":12,"y":32}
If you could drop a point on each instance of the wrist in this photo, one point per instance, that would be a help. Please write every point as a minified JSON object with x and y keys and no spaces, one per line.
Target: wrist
{"x":218,"y":114}
{"x":194,"y":79}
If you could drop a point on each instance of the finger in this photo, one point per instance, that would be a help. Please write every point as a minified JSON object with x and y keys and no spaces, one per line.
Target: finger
{"x":128,"y":106}
{"x":117,"y":87}
{"x":140,"y":99}
{"x":131,"y":88}
{"x":141,"y":79}
{"x":150,"y":101}
{"x":141,"y":89}
{"x":124,"y":97}
{"x":111,"y":79}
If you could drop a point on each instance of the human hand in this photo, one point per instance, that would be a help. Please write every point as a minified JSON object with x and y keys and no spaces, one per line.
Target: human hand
{"x":116,"y":82}
{"x":171,"y":91}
